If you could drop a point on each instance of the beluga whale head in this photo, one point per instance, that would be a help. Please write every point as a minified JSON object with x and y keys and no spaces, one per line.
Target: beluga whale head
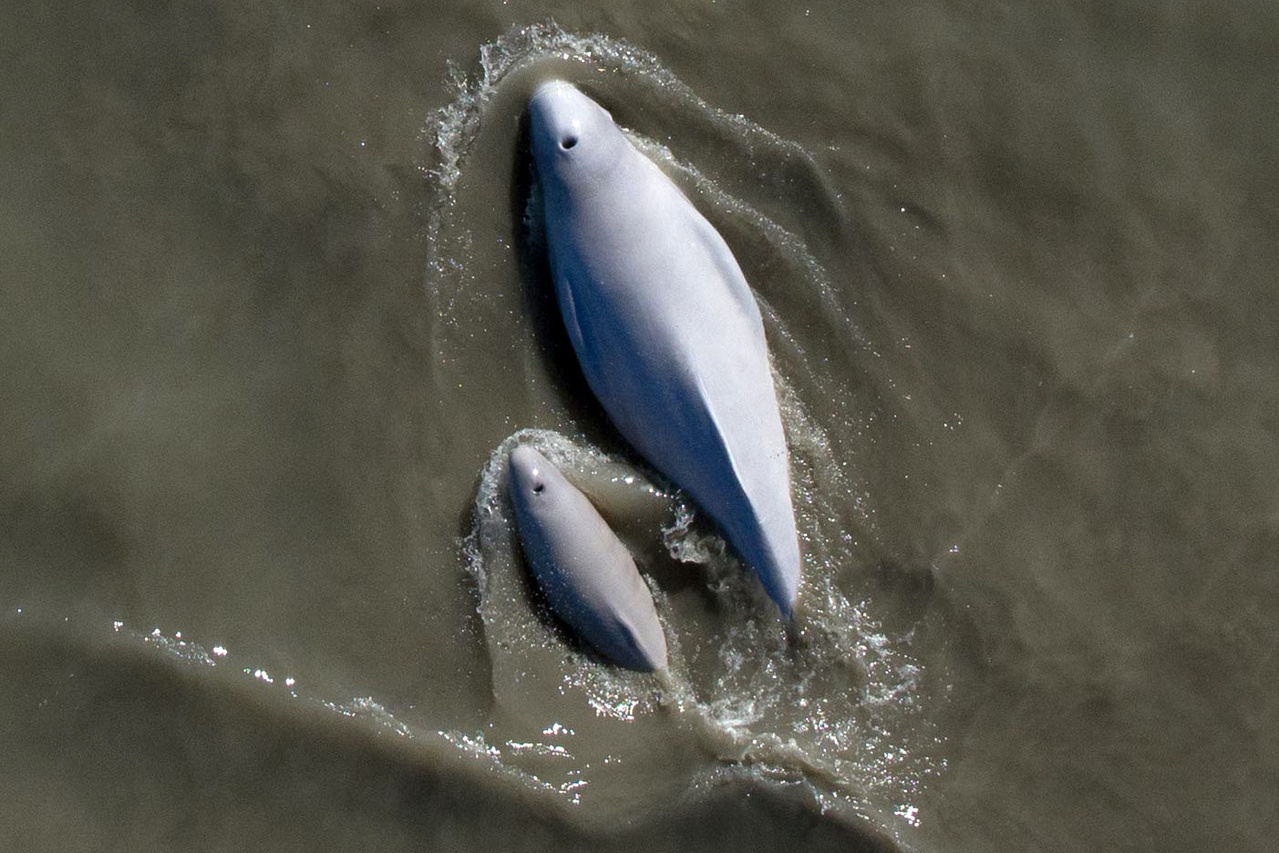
{"x":575,"y":142}
{"x":536,"y":483}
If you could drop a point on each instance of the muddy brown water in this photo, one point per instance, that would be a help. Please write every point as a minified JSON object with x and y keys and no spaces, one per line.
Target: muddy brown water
{"x":273,"y":307}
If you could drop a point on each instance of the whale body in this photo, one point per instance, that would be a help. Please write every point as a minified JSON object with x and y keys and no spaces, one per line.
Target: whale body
{"x":666,"y":329}
{"x":586,"y":573}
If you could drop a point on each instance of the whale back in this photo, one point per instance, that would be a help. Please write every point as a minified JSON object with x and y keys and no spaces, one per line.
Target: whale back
{"x":584,"y":570}
{"x":667,"y":330}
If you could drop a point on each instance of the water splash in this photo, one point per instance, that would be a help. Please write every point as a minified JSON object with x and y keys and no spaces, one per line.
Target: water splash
{"x":840,"y":706}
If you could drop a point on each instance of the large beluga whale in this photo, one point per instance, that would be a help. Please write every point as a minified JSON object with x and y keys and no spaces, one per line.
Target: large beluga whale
{"x":666,"y":329}
{"x":586,"y":573}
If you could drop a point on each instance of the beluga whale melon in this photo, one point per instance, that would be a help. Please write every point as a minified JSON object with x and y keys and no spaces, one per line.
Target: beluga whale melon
{"x":666,"y":329}
{"x":586,"y":573}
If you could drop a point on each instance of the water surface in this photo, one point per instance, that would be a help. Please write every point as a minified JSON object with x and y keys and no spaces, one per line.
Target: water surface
{"x":273,"y":305}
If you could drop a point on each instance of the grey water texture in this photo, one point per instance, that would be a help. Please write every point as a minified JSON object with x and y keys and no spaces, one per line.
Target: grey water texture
{"x":275,"y":307}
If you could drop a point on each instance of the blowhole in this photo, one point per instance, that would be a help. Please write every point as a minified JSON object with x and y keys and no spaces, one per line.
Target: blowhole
{"x":537,"y":490}
{"x":568,"y":142}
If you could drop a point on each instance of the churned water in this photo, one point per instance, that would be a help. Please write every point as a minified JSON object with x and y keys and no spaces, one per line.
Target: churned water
{"x":274,"y":307}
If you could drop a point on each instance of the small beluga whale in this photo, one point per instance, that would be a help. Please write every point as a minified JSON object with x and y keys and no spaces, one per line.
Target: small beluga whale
{"x":586,"y":573}
{"x":666,"y":329}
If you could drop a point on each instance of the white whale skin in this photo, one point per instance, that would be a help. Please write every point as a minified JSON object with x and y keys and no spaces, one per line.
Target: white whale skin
{"x":586,"y":573}
{"x":666,"y":329}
